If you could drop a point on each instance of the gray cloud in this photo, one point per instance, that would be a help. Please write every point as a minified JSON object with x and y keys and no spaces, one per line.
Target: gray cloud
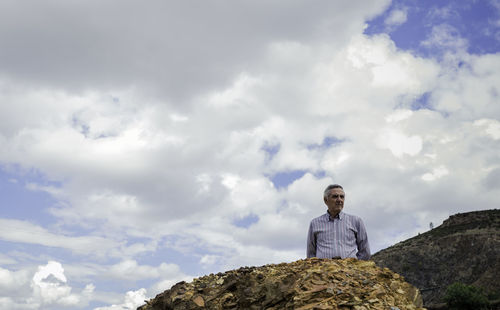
{"x":175,"y":49}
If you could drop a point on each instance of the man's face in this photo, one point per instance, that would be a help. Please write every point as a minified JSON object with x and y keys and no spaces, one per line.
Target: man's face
{"x":335,"y":201}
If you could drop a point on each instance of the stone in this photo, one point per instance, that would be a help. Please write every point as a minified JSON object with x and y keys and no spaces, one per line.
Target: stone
{"x":198,"y":300}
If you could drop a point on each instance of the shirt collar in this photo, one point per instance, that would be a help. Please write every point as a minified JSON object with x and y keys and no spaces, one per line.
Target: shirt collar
{"x":339,"y":216}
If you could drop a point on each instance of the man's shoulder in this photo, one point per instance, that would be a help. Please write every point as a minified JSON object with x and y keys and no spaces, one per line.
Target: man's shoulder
{"x":351,"y":217}
{"x":321,"y":218}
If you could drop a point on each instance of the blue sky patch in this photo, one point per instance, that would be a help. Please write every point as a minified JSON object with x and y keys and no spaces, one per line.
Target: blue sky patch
{"x":320,"y":174}
{"x":271,"y":150}
{"x":422,"y":102}
{"x":327,"y":143}
{"x":247,"y":221}
{"x":423,"y":16}
{"x":283,"y":179}
{"x":19,"y":202}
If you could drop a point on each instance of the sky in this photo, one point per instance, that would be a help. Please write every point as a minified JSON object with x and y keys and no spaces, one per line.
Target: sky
{"x":143,"y":143}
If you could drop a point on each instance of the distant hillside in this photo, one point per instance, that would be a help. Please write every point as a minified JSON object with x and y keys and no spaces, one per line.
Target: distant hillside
{"x":465,"y":248}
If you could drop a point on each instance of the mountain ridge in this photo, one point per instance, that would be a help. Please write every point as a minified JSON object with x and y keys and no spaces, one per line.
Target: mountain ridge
{"x":464,"y":248}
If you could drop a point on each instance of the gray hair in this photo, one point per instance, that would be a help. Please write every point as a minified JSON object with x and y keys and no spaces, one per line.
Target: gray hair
{"x":330,"y":187}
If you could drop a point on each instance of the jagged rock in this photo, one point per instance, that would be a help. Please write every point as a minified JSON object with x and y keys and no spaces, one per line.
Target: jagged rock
{"x":465,"y":248}
{"x":305,"y":284}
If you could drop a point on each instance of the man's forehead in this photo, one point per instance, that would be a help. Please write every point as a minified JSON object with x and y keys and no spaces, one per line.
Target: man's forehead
{"x":337,"y":190}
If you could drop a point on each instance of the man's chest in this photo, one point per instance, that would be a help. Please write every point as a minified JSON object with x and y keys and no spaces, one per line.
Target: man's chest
{"x":335,"y":231}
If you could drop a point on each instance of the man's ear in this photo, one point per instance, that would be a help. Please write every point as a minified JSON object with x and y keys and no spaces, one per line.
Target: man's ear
{"x":324,"y":199}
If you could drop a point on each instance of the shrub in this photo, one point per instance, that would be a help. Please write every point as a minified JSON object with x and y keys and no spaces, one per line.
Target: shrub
{"x":460,"y":296}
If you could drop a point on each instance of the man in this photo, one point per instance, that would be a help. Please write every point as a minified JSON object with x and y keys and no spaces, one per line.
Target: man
{"x":336,"y":234}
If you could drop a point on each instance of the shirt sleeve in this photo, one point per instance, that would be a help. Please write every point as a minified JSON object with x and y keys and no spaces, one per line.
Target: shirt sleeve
{"x":311,"y":242}
{"x":362,"y":242}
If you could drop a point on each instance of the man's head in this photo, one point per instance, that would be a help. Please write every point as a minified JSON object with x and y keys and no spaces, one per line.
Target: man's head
{"x":334,"y":196}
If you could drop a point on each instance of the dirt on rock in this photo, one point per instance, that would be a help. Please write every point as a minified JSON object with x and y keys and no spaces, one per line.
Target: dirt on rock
{"x":347,"y":284}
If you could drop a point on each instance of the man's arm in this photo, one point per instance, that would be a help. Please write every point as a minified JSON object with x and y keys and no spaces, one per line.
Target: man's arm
{"x":311,"y":243}
{"x":362,"y":242}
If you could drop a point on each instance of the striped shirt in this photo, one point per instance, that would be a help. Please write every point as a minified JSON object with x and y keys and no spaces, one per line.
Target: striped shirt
{"x":343,"y":236}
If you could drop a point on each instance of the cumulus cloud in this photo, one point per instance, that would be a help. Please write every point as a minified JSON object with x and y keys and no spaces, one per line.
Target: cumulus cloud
{"x":49,"y":285}
{"x":47,"y":288}
{"x":13,"y":280}
{"x":131,"y":301}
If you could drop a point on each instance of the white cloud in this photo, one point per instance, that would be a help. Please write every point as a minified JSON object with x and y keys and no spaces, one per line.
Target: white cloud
{"x":398,"y":116}
{"x":50,"y":287}
{"x":396,"y":17}
{"x":435,"y":174}
{"x":6,"y":260}
{"x":388,"y":67}
{"x":47,"y":288}
{"x":491,"y":127}
{"x":9,"y":303}
{"x":209,"y":259}
{"x":131,"y":301}
{"x":13,"y":280}
{"x":129,"y":269}
{"x":400,"y":144}
{"x":52,"y":268}
{"x":439,"y":13}
{"x":446,"y":36}
{"x":26,"y":232}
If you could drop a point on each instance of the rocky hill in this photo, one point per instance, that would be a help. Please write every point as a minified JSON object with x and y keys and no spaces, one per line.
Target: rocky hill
{"x":305,"y":284}
{"x":465,"y":248}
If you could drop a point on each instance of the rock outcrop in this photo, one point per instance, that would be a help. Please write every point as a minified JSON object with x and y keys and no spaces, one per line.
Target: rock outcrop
{"x":304,"y":284}
{"x":465,"y":248}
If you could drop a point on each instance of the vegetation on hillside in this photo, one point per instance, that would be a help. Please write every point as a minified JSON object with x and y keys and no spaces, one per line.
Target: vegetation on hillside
{"x":460,"y":296}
